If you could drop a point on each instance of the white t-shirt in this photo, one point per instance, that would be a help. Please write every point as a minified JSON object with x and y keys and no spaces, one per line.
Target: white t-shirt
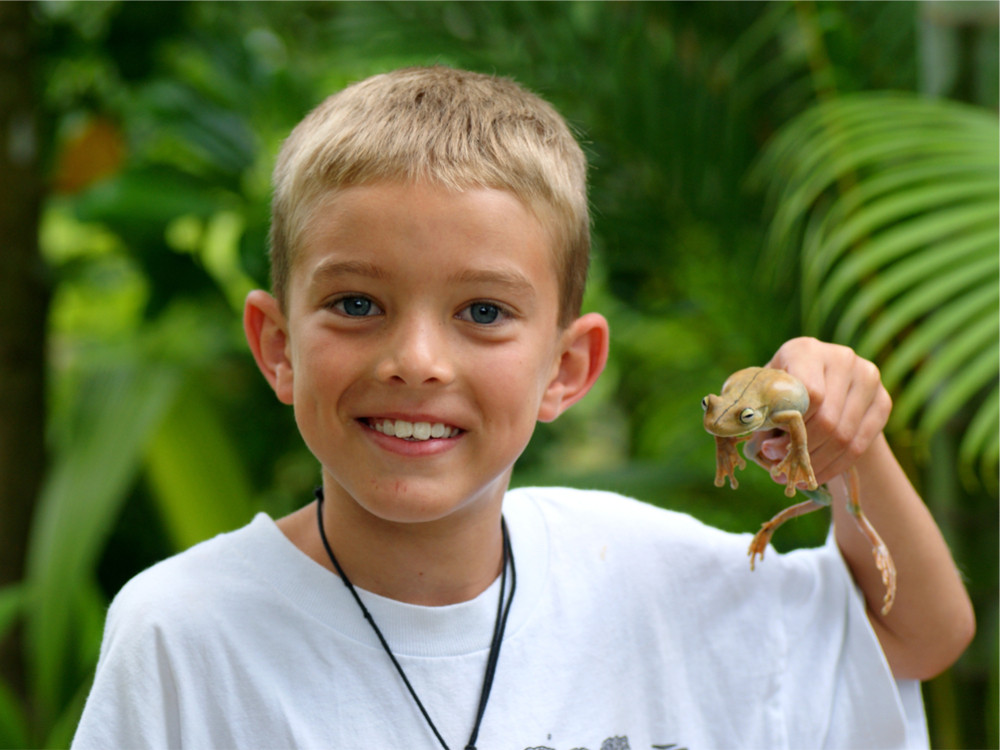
{"x":632,"y":627}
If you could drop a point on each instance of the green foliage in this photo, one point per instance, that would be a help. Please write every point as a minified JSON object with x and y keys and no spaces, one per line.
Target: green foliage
{"x":79,"y":504}
{"x":889,"y":205}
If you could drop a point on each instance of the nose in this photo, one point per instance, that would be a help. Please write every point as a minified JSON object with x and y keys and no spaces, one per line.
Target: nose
{"x":416,"y":353}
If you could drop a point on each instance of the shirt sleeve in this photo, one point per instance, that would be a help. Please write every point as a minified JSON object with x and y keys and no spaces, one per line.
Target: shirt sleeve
{"x":133,"y":702}
{"x":835,"y":666}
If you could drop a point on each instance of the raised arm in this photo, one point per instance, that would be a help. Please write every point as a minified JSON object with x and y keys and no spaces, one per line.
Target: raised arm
{"x":931,"y":622}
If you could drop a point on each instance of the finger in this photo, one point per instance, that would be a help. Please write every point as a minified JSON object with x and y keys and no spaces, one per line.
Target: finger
{"x":853,"y":413}
{"x":802,"y":358}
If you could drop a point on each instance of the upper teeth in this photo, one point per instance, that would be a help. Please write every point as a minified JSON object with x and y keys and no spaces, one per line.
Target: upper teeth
{"x":414,"y":430}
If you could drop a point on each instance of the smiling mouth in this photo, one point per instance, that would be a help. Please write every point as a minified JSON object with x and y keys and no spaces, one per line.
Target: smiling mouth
{"x":414,"y":431}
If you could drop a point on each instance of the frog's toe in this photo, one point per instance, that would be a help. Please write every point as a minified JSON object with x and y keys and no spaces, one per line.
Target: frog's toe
{"x":885,"y":565}
{"x":758,"y":545}
{"x":722,"y":472}
{"x":779,"y":474}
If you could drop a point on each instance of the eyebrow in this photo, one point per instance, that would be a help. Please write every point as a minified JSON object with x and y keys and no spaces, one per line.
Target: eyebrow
{"x":513,"y":280}
{"x":334,"y":269}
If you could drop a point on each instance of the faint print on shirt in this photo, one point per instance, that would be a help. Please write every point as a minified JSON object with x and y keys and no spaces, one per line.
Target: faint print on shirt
{"x":614,"y":743}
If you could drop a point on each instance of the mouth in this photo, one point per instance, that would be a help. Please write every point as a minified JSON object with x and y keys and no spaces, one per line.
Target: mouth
{"x":416,"y":432}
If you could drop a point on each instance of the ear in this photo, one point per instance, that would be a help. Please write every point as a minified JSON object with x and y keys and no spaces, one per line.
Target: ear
{"x":584,"y":354}
{"x":267,"y":333}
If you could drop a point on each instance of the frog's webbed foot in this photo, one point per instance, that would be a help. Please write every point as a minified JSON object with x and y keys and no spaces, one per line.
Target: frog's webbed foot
{"x":883,"y":560}
{"x":796,"y":466}
{"x":763,"y":537}
{"x":727,"y":460}
{"x":885,"y":565}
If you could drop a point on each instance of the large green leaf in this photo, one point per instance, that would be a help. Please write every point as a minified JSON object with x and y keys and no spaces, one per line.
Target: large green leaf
{"x":11,"y":606}
{"x":930,"y":293}
{"x":198,"y":479}
{"x":982,"y":439}
{"x":116,"y":411}
{"x":889,"y":206}
{"x":13,"y":721}
{"x":940,"y":325}
{"x":924,"y":263}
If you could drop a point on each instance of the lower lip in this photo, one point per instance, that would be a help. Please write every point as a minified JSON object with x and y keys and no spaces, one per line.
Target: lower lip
{"x":414,"y":448}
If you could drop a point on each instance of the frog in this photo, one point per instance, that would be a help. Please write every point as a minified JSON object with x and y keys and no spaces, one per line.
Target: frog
{"x":754,"y":401}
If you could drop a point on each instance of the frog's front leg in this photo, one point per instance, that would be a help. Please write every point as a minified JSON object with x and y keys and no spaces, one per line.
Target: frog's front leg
{"x":796,"y":465}
{"x":727,"y":459}
{"x":883,"y":560}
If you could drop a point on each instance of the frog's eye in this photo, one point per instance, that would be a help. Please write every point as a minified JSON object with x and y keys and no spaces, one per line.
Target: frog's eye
{"x":704,"y":404}
{"x":746,"y":416}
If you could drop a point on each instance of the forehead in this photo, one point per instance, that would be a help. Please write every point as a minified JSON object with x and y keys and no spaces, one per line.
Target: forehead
{"x":431,"y":229}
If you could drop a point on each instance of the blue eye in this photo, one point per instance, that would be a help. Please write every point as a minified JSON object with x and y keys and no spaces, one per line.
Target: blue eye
{"x":484,"y":313}
{"x":356,"y":307}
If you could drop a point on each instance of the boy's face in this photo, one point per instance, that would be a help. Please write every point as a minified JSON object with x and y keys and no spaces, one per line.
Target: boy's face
{"x":422,"y":340}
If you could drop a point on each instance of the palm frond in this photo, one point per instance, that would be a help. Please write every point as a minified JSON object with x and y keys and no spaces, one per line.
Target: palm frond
{"x":889,"y":206}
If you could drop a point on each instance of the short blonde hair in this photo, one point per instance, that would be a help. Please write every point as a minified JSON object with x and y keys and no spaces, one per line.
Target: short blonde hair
{"x":451,"y":127}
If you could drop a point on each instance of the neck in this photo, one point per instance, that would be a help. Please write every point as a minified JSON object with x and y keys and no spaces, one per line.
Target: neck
{"x":431,"y":563}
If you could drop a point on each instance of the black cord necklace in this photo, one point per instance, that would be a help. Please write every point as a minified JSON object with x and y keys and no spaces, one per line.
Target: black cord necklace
{"x":503,"y":610}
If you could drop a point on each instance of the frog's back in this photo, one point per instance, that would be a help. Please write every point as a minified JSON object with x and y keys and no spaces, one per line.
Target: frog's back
{"x":768,"y":389}
{"x":787,"y":392}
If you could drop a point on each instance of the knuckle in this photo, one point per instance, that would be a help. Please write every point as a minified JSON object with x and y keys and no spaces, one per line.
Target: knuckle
{"x":855,"y":447}
{"x":885,"y":403}
{"x":844,"y":437}
{"x":869,"y":371}
{"x":825,"y":421}
{"x":795,"y":344}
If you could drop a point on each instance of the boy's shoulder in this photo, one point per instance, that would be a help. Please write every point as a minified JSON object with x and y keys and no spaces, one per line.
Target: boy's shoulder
{"x":641,"y":537}
{"x":612,"y":513}
{"x":193,"y":582}
{"x":644,"y":532}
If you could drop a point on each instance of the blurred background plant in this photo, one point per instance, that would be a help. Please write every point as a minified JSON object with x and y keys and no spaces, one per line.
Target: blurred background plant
{"x":759,"y":170}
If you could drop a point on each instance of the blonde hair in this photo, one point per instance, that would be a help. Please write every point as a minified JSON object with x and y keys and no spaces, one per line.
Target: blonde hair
{"x":451,"y":127}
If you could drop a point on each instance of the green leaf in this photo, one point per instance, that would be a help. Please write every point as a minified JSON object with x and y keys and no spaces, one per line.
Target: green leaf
{"x":888,"y":205}
{"x":922,"y":265}
{"x":63,"y":728}
{"x":970,"y":379}
{"x":889,"y":246}
{"x":116,"y":412}
{"x":949,"y":369}
{"x":144,"y":200}
{"x":941,"y":325}
{"x":200,"y":484}
{"x":13,"y":720}
{"x":870,"y":226}
{"x":979,"y":434}
{"x":841,"y":144}
{"x":922,"y":299}
{"x":12,"y":600}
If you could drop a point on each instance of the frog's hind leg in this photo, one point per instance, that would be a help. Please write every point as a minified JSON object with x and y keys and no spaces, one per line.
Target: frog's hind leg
{"x":883,"y":560}
{"x":763,"y":537}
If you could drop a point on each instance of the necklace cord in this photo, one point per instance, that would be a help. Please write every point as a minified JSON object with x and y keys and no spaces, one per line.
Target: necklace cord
{"x":503,"y":610}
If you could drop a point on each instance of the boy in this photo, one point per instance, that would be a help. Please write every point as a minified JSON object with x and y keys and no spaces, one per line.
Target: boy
{"x":429,"y":249}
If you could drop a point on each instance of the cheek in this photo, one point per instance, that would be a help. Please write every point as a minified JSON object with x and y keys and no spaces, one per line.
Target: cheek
{"x":318,"y":378}
{"x":513,"y":384}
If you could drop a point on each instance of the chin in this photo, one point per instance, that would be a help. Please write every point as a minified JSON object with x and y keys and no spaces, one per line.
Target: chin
{"x":410,"y":511}
{"x":409,"y":503}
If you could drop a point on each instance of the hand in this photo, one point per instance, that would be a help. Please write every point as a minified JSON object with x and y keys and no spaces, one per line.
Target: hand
{"x":848,"y":405}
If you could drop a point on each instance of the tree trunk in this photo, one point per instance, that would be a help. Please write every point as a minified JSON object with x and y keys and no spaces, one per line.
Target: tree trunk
{"x":24,"y":301}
